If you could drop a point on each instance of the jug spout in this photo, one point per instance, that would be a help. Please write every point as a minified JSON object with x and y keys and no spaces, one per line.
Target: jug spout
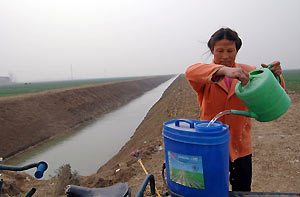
{"x":244,"y":113}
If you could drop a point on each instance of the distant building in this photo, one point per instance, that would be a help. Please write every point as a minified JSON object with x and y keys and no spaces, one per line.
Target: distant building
{"x":4,"y":80}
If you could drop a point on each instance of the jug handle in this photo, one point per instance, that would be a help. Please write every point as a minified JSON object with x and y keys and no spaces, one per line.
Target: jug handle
{"x":250,"y":79}
{"x":253,"y":76}
{"x":191,"y":123}
{"x":276,"y":76}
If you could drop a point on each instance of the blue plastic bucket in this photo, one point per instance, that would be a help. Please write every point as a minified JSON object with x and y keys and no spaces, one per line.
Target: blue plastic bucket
{"x":197,"y":157}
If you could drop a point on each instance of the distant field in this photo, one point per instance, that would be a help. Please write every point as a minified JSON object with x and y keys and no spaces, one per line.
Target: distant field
{"x":25,"y":88}
{"x":292,"y":79}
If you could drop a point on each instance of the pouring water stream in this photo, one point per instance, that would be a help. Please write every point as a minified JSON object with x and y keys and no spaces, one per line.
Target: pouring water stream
{"x":225,"y":112}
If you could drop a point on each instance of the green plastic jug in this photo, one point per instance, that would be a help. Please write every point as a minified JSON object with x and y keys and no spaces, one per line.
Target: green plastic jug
{"x":263,"y":95}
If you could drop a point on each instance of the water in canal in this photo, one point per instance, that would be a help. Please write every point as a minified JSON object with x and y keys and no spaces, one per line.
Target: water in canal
{"x":89,"y":147}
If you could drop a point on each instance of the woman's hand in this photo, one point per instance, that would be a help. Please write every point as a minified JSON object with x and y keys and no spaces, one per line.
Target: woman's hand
{"x":235,"y":73}
{"x":276,"y":67}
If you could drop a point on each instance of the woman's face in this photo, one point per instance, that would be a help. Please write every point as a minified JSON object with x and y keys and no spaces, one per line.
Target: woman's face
{"x":224,"y":52}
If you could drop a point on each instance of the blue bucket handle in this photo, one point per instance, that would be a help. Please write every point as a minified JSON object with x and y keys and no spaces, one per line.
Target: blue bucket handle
{"x":190,"y":122}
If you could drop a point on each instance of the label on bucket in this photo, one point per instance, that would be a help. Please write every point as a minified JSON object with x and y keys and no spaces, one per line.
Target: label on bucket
{"x":186,"y":170}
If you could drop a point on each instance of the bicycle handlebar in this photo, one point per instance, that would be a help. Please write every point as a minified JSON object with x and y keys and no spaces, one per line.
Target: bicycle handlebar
{"x":41,"y":168}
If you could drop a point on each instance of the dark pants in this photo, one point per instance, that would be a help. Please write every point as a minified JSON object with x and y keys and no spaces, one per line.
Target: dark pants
{"x":241,"y":173}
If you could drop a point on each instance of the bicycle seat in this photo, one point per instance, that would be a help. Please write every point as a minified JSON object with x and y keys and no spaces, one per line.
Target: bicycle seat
{"x":117,"y":190}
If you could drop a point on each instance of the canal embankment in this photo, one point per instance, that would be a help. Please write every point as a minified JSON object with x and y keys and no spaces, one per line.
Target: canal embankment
{"x":31,"y":119}
{"x":93,"y":144}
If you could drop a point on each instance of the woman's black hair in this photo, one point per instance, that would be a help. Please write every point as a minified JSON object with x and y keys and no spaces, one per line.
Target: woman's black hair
{"x":224,"y":33}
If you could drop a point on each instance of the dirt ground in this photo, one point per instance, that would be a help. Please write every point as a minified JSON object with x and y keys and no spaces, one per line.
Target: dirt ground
{"x":276,"y":146}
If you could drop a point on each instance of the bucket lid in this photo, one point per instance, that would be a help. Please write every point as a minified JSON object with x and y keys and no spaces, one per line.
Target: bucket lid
{"x":196,"y":132}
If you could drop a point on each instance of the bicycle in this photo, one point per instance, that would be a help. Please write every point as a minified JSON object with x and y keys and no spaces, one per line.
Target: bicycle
{"x":117,"y":190}
{"x":41,"y":167}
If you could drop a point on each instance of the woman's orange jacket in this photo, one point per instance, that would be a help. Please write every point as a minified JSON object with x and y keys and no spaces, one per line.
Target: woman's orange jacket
{"x":214,"y":97}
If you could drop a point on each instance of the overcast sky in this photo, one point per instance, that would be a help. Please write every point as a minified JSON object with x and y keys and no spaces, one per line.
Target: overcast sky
{"x":43,"y":39}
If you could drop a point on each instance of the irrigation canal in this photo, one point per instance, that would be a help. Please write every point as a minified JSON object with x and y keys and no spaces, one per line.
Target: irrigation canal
{"x":91,"y":146}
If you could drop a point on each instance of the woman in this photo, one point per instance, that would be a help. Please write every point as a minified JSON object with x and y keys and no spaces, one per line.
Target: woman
{"x":214,"y":84}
